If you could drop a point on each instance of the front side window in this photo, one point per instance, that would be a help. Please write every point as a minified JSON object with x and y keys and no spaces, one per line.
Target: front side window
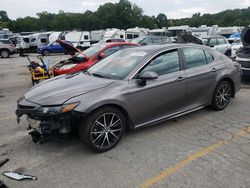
{"x":194,"y":57}
{"x":165,"y":63}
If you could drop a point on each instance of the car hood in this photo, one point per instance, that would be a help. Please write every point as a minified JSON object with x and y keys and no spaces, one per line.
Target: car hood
{"x":62,"y":88}
{"x":70,"y":49}
{"x":245,"y":37}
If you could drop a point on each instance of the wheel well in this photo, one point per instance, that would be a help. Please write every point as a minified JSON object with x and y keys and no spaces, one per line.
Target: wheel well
{"x":4,"y":49}
{"x":125,"y":113}
{"x":231,"y":84}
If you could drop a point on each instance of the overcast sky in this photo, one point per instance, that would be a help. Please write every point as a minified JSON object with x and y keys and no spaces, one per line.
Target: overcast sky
{"x":172,"y":8}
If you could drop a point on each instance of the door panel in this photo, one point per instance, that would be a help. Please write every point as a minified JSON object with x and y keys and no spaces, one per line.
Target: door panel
{"x":158,"y":98}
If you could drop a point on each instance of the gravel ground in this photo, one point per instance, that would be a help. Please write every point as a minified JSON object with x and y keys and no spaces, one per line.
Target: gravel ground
{"x":201,"y":149}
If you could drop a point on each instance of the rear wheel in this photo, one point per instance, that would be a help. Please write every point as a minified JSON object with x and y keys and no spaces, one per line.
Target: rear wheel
{"x":222,"y":95}
{"x":103,"y":129}
{"x":5,"y":53}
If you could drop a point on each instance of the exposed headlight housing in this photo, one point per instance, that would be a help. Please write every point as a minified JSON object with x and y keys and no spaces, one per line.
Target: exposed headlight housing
{"x":52,"y":110}
{"x":65,"y":67}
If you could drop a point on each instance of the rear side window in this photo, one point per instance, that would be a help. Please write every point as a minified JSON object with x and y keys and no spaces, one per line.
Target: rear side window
{"x":212,"y":42}
{"x":209,"y":57}
{"x":194,"y":57}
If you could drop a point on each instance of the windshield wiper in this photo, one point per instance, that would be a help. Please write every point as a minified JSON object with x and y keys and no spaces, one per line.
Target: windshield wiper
{"x":100,"y":75}
{"x":87,"y":72}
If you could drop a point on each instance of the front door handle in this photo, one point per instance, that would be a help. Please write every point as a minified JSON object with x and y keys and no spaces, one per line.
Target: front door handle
{"x":179,"y":79}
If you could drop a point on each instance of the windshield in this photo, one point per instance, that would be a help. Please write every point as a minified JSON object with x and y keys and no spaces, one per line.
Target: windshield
{"x":137,"y":40}
{"x":118,"y":65}
{"x":92,"y":50}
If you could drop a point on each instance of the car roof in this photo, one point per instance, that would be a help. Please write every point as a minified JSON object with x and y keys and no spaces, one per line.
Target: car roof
{"x":154,"y":48}
{"x":110,"y":44}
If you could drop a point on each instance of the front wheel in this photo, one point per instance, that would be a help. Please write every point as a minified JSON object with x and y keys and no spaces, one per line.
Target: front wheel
{"x":5,"y":53}
{"x":46,"y":52}
{"x":103,"y":129}
{"x":222,"y":95}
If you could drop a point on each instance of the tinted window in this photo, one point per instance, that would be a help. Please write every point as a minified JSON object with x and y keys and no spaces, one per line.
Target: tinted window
{"x":212,"y":42}
{"x":129,"y":36}
{"x":43,"y":40}
{"x":221,"y":41}
{"x":165,"y":63}
{"x":194,"y":57}
{"x":209,"y":57}
{"x":111,"y":50}
{"x":86,"y":37}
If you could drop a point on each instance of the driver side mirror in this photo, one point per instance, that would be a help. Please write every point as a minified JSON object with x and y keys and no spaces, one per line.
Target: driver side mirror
{"x":101,"y":56}
{"x":147,"y":75}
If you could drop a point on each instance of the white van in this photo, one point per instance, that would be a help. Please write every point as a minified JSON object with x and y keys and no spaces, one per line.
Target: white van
{"x":37,"y":40}
{"x":80,"y":39}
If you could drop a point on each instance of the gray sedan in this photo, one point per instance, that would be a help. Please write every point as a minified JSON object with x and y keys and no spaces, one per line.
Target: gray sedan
{"x":130,"y":89}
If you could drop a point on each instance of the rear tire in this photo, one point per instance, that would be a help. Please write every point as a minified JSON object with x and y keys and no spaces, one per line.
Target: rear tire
{"x":5,"y":53}
{"x":222,"y":96}
{"x":103,"y":129}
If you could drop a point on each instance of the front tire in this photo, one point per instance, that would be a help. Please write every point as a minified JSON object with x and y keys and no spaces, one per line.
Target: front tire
{"x":5,"y":53}
{"x":222,"y":96}
{"x":46,"y":52}
{"x":103,"y":129}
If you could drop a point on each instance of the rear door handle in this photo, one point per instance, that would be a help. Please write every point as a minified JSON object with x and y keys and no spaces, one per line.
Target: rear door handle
{"x":179,"y":79}
{"x":213,"y":70}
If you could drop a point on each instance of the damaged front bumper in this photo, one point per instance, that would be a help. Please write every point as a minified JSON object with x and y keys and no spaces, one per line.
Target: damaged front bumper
{"x":47,"y":122}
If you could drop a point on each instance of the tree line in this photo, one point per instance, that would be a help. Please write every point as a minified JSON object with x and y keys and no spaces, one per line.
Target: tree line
{"x":123,"y":15}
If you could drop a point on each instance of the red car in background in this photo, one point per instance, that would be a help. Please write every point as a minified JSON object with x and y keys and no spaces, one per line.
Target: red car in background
{"x":83,"y":60}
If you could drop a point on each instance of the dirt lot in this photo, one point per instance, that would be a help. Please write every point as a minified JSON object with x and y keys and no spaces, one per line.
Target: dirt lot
{"x":201,"y":149}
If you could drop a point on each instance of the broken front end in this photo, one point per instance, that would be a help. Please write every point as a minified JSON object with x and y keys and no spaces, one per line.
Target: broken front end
{"x":47,"y":122}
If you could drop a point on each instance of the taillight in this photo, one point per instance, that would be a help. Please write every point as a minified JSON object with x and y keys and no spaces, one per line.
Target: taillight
{"x":12,"y":45}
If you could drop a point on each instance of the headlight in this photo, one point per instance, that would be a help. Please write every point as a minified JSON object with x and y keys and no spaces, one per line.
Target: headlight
{"x":58,"y":109}
{"x":65,"y":67}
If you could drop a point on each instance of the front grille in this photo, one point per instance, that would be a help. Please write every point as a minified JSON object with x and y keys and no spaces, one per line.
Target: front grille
{"x":25,"y":107}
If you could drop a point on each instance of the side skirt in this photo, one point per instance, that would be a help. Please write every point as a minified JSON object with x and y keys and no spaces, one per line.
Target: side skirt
{"x":168,"y":117}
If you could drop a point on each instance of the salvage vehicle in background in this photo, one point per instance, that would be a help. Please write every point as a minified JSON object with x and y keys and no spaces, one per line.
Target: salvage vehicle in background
{"x":52,"y":47}
{"x":243,"y":53}
{"x":131,"y":88}
{"x":218,"y":43}
{"x":149,"y":40}
{"x":85,"y":59}
{"x":7,"y":48}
